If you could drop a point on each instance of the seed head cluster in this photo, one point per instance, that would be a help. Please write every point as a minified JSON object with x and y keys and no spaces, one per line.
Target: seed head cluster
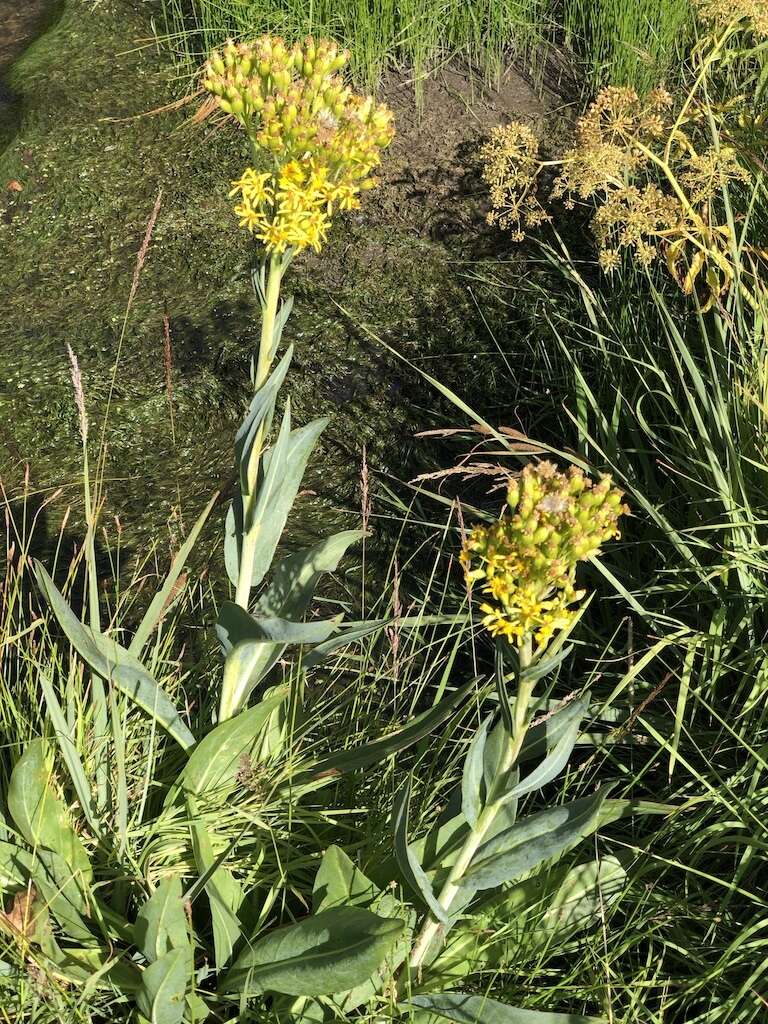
{"x":510,"y":168}
{"x":319,"y":141}
{"x":722,"y":13}
{"x":526,"y":561}
{"x":656,"y":195}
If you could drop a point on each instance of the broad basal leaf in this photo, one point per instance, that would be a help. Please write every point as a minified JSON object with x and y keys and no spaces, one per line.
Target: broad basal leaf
{"x":340,"y":882}
{"x":52,"y":876}
{"x":162,"y":994}
{"x":328,"y":953}
{"x":470,"y":1009}
{"x":161,"y":923}
{"x":40,"y":815}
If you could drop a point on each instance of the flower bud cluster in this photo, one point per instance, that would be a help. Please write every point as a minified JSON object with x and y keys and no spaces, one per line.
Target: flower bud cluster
{"x":322,"y":139}
{"x":527,"y":560}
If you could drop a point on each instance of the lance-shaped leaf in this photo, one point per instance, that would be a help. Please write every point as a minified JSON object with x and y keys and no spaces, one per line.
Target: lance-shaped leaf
{"x":518,"y":923}
{"x":165,"y":595}
{"x":339,"y":882}
{"x":162,"y":993}
{"x":253,"y":646}
{"x":393,"y":742}
{"x":71,"y":756}
{"x":161,"y":923}
{"x":224,"y":892}
{"x":542,"y":738}
{"x":472,"y":776}
{"x":533,"y":840}
{"x":257,"y":423}
{"x":408,"y":860}
{"x":259,"y":415}
{"x":287,"y":598}
{"x":40,"y":815}
{"x":327,"y":953}
{"x":471,"y":1009}
{"x":111,"y":661}
{"x":568,"y":731}
{"x":284,"y":467}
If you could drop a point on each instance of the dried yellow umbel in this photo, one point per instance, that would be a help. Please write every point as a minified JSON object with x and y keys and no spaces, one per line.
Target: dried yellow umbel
{"x":657,"y":172}
{"x":752,"y":14}
{"x":317,"y":141}
{"x":526,"y":561}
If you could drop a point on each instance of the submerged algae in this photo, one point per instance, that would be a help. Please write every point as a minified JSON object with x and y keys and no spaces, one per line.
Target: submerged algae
{"x":91,"y":162}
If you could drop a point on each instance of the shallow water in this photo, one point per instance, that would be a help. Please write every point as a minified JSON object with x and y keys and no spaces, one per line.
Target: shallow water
{"x":90,"y":165}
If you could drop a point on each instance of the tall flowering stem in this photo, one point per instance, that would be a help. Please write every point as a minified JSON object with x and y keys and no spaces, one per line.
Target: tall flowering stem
{"x":526,"y":565}
{"x":314,"y":144}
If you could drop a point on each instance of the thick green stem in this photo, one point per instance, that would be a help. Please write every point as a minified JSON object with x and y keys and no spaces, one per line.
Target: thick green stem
{"x":228,"y":703}
{"x":263,"y":364}
{"x":431,"y":930}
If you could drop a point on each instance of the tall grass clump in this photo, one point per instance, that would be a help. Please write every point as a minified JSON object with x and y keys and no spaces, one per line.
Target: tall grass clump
{"x":635,"y":43}
{"x":420,"y":35}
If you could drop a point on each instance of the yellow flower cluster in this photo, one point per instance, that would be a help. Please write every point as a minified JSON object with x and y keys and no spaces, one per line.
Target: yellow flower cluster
{"x":723,"y":13}
{"x":293,"y":208}
{"x":527,"y":559}
{"x":657,"y":195}
{"x":321,"y":140}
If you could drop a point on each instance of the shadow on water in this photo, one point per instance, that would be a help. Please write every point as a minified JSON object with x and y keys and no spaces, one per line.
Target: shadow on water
{"x":20,"y":24}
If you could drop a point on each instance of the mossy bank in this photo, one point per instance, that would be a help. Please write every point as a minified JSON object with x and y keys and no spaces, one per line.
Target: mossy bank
{"x":91,"y":155}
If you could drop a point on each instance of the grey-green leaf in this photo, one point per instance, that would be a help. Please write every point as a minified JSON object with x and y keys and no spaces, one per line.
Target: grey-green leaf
{"x":111,"y":661}
{"x":327,"y":953}
{"x":340,"y":882}
{"x":472,"y":777}
{"x":159,"y":603}
{"x":393,"y":742}
{"x":70,"y":754}
{"x":284,"y":468}
{"x":161,"y":923}
{"x":40,"y":816}
{"x":162,"y":994}
{"x":407,"y":859}
{"x":557,"y":758}
{"x":471,"y":1009}
{"x":224,"y":892}
{"x":259,"y":414}
{"x":287,"y":597}
{"x":532,"y":840}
